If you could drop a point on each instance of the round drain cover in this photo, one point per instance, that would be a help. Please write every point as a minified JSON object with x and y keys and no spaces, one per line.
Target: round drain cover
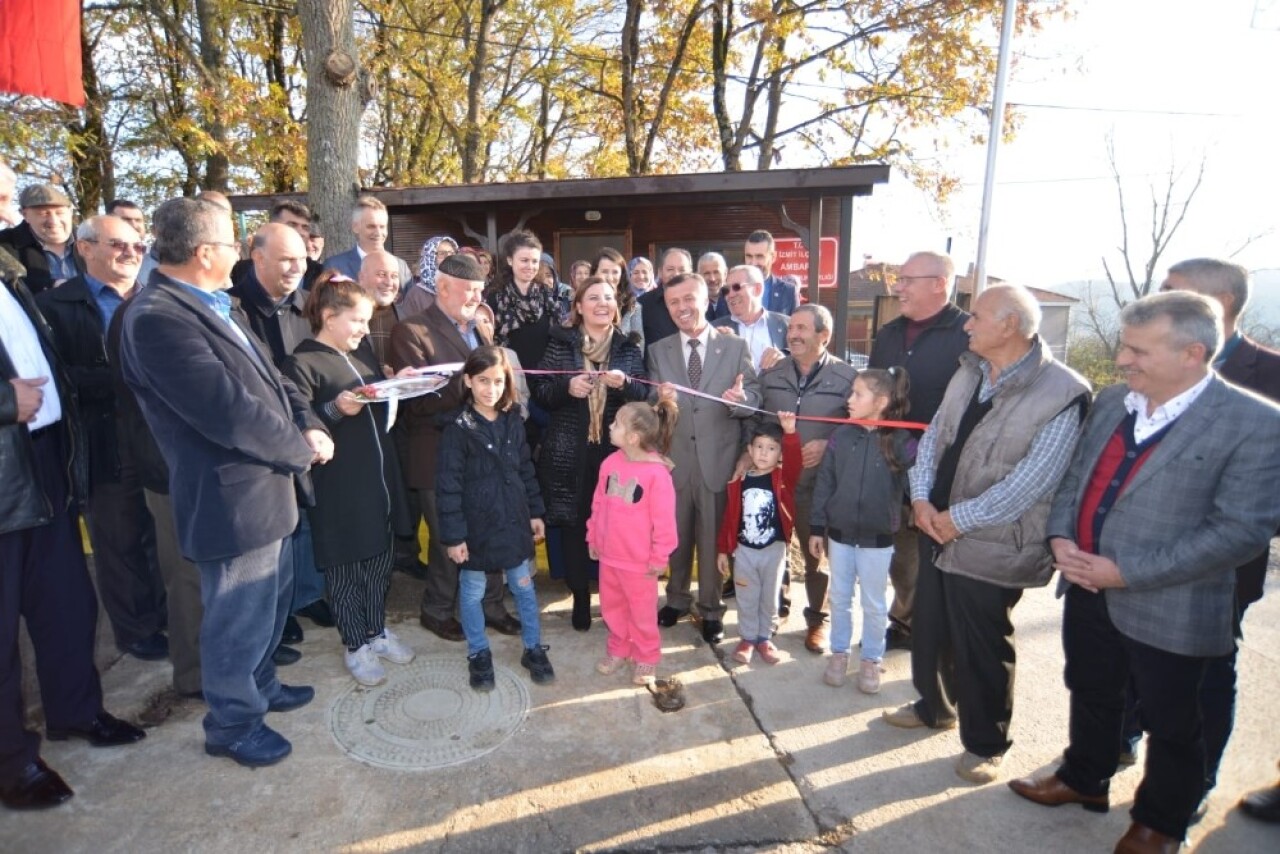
{"x":426,"y":715}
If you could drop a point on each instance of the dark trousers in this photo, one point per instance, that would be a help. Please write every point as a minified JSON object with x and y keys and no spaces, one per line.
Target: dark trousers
{"x":903,"y":570}
{"x":1099,"y":661}
{"x":579,"y":568}
{"x":182,"y":588}
{"x":962,"y":655}
{"x":124,"y":558}
{"x":440,"y":595}
{"x":44,"y":580}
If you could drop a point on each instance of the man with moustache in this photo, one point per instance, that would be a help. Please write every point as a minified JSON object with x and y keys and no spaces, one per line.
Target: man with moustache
{"x":713,"y":268}
{"x":124,"y":540}
{"x":445,"y":333}
{"x":810,"y":382}
{"x":239,"y":439}
{"x":927,"y":339}
{"x":779,"y":294}
{"x":764,"y":331}
{"x":654,"y":317}
{"x":706,"y":444}
{"x":43,"y":242}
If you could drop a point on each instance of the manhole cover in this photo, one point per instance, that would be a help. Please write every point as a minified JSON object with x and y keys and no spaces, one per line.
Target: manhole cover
{"x":426,"y":715}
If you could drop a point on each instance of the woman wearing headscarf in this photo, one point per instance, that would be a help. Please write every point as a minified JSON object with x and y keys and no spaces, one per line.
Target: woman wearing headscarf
{"x":640,"y":274}
{"x":419,"y":298}
{"x":598,"y":370}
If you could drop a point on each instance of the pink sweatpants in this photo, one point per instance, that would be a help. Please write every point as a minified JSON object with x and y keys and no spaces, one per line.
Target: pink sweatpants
{"x":629,"y":605}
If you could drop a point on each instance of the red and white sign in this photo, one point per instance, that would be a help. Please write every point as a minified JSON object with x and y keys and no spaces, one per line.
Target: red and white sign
{"x":793,"y":260}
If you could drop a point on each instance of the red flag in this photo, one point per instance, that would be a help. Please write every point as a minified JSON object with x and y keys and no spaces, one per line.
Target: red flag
{"x":40,"y":49}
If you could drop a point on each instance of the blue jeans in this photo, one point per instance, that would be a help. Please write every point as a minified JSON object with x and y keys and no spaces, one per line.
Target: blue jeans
{"x":471,"y":587}
{"x":246,"y":600}
{"x":308,"y":582}
{"x":870,"y":568}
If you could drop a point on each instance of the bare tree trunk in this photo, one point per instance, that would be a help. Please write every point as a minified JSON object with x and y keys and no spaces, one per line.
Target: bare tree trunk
{"x":93,"y":173}
{"x":721,"y":37}
{"x":213,"y":56}
{"x":334,"y":104}
{"x":630,"y":111}
{"x":471,"y":140}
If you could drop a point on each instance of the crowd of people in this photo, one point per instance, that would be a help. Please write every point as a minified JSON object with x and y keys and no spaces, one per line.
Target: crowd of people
{"x":224,"y":425}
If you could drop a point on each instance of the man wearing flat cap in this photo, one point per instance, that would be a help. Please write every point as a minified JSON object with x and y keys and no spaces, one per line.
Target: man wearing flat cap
{"x":43,"y":242}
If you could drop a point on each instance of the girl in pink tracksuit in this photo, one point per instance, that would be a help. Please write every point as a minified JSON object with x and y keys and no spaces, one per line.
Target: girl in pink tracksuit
{"x":632,"y":532}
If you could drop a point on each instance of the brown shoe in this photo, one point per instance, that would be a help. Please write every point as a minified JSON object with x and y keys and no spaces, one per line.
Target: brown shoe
{"x":1050,"y":791}
{"x":815,"y":640}
{"x":449,"y":629}
{"x":1141,"y":839}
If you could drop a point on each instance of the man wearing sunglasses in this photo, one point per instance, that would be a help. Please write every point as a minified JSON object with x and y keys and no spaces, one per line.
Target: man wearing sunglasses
{"x":79,"y":312}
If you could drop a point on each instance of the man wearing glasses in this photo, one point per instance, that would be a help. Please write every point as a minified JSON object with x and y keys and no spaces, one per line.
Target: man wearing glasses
{"x":79,"y":312}
{"x":239,"y":440}
{"x":927,"y":339}
{"x":764,"y":331}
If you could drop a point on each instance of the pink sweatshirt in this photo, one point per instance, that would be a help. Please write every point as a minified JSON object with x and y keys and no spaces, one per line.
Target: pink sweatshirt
{"x":633,"y":513}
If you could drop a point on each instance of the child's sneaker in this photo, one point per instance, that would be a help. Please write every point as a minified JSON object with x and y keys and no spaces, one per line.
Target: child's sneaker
{"x":768,"y":652}
{"x":390,"y":647}
{"x":869,"y":677}
{"x":742,"y":652}
{"x":480,"y":666}
{"x":539,"y":666}
{"x":609,"y":665}
{"x":837,"y":666}
{"x":644,"y":674}
{"x":364,"y":665}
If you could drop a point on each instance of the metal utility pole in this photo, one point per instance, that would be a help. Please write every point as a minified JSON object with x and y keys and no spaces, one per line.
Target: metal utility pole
{"x":993,"y":145}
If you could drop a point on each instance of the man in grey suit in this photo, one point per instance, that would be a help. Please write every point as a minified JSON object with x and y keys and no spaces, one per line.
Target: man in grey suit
{"x":369,"y":224}
{"x":1172,"y":487}
{"x":706,"y":444}
{"x":764,"y":331}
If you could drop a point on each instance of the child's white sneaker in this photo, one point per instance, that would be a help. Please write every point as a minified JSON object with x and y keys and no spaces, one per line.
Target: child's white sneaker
{"x":869,"y":677}
{"x":364,"y":665}
{"x":644,"y":674}
{"x":390,"y":647}
{"x":837,"y":666}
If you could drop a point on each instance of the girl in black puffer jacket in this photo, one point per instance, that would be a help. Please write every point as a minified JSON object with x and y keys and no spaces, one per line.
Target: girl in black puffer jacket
{"x":490,"y":509}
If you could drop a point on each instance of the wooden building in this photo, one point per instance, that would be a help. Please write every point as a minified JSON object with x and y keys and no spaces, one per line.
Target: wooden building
{"x":639,"y":216}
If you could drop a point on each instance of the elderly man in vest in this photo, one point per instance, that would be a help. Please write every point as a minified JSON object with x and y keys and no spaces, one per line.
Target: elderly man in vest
{"x":1172,"y":488}
{"x":981,"y":487}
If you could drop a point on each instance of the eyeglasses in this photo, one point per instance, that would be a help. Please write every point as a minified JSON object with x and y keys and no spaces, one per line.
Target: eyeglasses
{"x":738,"y":286}
{"x":122,"y":245}
{"x":231,"y":246}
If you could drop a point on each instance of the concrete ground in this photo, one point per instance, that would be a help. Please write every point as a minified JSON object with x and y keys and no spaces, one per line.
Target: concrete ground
{"x":760,"y":759}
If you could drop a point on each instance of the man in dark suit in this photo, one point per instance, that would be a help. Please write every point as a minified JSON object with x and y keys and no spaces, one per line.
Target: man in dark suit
{"x":1245,"y":363}
{"x":1171,"y":487}
{"x":764,"y":331}
{"x":706,"y":443}
{"x":446,"y":332}
{"x":124,"y":540}
{"x":369,"y":224}
{"x":239,"y":440}
{"x":43,"y":577}
{"x":779,"y":294}
{"x":654,"y":317}
{"x":43,"y":242}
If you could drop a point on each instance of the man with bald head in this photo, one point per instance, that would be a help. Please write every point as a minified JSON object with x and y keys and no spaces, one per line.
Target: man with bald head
{"x":297,"y":216}
{"x":123,"y":536}
{"x":981,"y":487}
{"x":927,"y":339}
{"x":380,"y":279}
{"x":272,"y":298}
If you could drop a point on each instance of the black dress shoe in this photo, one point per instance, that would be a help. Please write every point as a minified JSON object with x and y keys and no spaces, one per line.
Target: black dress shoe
{"x":104,"y":731}
{"x":292,"y":630}
{"x":896,"y":638}
{"x":450,"y":629}
{"x":154,"y":647}
{"x":36,"y":787}
{"x":668,"y":616}
{"x":285,"y":655}
{"x":504,"y":625}
{"x":1264,"y":804}
{"x":417,"y":569}
{"x":730,"y":590}
{"x":318,"y":612}
{"x":291,"y":697}
{"x":712,"y":631}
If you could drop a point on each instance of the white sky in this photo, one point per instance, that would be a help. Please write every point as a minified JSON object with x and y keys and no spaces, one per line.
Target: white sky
{"x":1132,"y":63}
